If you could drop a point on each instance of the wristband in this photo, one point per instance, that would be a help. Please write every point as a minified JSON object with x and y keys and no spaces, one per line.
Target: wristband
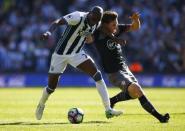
{"x":48,"y":32}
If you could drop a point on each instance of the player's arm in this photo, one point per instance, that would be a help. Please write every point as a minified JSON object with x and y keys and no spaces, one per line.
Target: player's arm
{"x":70,"y":19}
{"x":53,"y":26}
{"x":135,"y":25}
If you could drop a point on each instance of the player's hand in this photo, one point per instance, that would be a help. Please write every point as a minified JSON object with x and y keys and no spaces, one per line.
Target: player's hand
{"x":46,"y":35}
{"x":135,"y":16}
{"x":135,"y":22}
{"x":89,"y":39}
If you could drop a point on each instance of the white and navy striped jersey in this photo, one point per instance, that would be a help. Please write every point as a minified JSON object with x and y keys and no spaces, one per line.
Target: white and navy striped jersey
{"x":73,"y":38}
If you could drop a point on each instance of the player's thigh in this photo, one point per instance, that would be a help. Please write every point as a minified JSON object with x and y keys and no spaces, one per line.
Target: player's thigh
{"x":122,"y":79}
{"x":84,"y":62}
{"x":88,"y":67}
{"x":135,"y":91}
{"x":117,"y":79}
{"x":134,"y":88}
{"x":58,"y":64}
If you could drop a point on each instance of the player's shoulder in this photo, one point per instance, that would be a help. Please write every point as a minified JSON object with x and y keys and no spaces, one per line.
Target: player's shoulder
{"x":80,"y":13}
{"x":74,"y":18}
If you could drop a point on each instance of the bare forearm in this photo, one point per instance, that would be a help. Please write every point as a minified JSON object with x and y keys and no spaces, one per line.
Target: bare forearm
{"x":53,"y":26}
{"x":56,"y":24}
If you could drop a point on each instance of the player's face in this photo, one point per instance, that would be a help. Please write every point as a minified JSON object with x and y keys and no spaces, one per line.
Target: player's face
{"x":112,"y":26}
{"x":93,"y":19}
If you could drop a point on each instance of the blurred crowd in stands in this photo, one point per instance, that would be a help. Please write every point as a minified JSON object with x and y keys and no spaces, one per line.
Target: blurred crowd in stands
{"x":158,"y":47}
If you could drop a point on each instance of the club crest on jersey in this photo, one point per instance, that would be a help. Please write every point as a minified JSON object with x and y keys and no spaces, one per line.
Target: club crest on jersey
{"x":69,"y":16}
{"x":111,"y":44}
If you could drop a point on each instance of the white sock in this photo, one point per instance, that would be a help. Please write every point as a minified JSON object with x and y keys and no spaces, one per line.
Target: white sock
{"x":102,"y":89}
{"x":44,"y":97}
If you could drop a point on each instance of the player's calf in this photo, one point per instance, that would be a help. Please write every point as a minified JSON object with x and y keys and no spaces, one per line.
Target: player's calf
{"x":47,"y":91}
{"x":145,"y":103}
{"x":41,"y":105}
{"x":100,"y":84}
{"x":129,"y":92}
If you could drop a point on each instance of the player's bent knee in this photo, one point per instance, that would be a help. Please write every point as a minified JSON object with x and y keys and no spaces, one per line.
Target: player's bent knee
{"x":135,"y":90}
{"x":97,"y":76}
{"x":139,"y":90}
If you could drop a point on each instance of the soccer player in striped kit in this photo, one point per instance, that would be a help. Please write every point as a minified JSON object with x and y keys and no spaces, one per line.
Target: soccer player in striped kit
{"x":69,"y":51}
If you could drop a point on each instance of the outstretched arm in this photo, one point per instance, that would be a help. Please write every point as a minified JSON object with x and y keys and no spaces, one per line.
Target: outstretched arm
{"x":53,"y":26}
{"x":135,"y":25}
{"x":69,"y":19}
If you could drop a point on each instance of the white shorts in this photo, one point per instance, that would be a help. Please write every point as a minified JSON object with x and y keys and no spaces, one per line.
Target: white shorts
{"x":60,"y":62}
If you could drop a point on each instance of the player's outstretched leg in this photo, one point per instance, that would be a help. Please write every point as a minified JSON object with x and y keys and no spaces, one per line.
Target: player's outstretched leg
{"x":47,"y":91}
{"x":135,"y":91}
{"x":89,"y":67}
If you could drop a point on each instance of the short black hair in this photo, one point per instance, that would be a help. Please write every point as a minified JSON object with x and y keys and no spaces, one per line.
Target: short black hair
{"x":97,"y":10}
{"x":109,"y":16}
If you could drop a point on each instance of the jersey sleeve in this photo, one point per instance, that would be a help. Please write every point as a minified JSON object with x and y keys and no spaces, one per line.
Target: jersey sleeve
{"x":123,"y":28}
{"x":72,"y":18}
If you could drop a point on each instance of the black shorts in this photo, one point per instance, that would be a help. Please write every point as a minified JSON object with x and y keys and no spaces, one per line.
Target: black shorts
{"x":123,"y":78}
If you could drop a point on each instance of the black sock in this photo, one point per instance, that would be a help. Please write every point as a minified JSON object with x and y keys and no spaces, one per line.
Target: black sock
{"x":122,"y":96}
{"x":149,"y":107}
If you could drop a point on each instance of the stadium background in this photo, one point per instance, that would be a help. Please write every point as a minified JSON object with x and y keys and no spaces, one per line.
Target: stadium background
{"x":156,"y":53}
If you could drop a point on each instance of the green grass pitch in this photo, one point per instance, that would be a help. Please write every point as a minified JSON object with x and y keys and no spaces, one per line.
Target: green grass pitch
{"x":17,"y":108}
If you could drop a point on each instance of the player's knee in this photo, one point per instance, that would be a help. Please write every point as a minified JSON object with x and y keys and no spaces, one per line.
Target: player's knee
{"x":135,"y":90}
{"x":50,"y":89}
{"x":97,"y":76}
{"x":139,"y":90}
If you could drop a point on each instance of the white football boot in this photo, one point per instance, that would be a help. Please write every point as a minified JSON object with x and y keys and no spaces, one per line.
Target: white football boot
{"x":111,"y":113}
